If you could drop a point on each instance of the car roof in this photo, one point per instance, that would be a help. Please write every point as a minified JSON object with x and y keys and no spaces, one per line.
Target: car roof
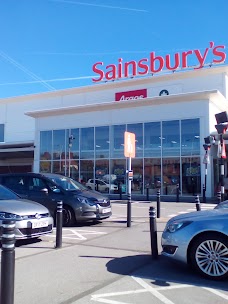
{"x":50,"y":175}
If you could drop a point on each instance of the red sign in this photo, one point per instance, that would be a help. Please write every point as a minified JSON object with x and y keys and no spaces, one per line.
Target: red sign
{"x":131,"y":95}
{"x":155,"y":63}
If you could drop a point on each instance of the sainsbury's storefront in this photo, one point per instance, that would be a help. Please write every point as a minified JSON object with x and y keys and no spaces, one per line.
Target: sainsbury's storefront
{"x":170,"y":114}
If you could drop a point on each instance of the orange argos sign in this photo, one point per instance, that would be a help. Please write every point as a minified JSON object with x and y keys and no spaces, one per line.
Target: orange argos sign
{"x":129,"y":144}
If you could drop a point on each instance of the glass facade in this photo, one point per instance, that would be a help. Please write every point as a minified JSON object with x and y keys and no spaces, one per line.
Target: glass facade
{"x":167,"y":154}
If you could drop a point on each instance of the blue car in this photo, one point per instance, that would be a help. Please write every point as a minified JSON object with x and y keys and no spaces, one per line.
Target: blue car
{"x":199,"y":239}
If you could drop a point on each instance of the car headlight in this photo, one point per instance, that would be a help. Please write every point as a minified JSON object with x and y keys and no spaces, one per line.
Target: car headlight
{"x":84,"y":200}
{"x":12,"y":216}
{"x":174,"y":226}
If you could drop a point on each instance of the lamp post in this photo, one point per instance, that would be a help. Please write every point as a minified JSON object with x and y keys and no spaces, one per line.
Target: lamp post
{"x":71,"y":138}
{"x":221,"y":127}
{"x":207,"y":145}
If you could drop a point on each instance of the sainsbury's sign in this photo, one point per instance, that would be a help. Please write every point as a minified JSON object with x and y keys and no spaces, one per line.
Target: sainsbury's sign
{"x":155,"y":63}
{"x":131,"y":95}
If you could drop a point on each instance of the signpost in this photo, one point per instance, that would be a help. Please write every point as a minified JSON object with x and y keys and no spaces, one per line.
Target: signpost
{"x":129,"y":152}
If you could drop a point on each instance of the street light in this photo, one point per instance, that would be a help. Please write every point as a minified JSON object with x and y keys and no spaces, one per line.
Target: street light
{"x":70,"y":144}
{"x":207,"y":145}
{"x":221,"y":127}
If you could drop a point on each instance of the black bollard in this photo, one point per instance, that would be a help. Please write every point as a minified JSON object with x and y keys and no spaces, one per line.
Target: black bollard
{"x":178,"y":193}
{"x":59,"y":224}
{"x":153,"y":233}
{"x":8,"y":262}
{"x":197,"y":201}
{"x":158,"y":202}
{"x":129,"y":210}
{"x":219,"y":197}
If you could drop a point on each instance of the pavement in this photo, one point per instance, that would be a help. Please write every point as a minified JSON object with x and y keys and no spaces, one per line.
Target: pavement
{"x":101,"y":263}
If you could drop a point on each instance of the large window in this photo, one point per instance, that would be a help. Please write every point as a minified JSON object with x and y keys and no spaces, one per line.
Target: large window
{"x":171,"y":138}
{"x":137,"y":129}
{"x":117,"y":141}
{"x":87,"y":143}
{"x":152,"y":139}
{"x":190,"y":137}
{"x":167,"y":154}
{"x":102,"y":142}
{"x":2,"y":132}
{"x":45,"y":145}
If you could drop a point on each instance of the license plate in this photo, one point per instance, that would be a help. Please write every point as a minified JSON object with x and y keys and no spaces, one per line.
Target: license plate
{"x":39,"y":224}
{"x":106,"y":210}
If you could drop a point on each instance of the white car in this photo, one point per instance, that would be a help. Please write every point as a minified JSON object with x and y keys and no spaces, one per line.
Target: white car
{"x":101,"y":185}
{"x":32,"y":220}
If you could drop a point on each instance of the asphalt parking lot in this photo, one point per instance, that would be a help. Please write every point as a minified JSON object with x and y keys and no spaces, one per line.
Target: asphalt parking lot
{"x":108,"y":262}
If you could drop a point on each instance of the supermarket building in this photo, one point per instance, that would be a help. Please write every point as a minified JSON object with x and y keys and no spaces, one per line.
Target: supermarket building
{"x":80,"y":131}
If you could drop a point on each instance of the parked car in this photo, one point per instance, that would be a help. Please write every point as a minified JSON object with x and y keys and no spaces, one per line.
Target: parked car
{"x":222,"y":205}
{"x":199,"y":239}
{"x":79,"y":203}
{"x":31,"y":219}
{"x":101,"y":185}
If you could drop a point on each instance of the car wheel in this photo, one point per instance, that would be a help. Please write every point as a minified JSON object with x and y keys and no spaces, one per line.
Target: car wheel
{"x":106,"y":190}
{"x":68,"y":216}
{"x":209,"y":256}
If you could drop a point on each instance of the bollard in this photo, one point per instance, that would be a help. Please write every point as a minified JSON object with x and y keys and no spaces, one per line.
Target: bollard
{"x":153,"y":233}
{"x":219,"y":197}
{"x":8,"y":262}
{"x":197,"y":201}
{"x":129,"y":210}
{"x":59,"y":224}
{"x":158,"y":202}
{"x":178,"y":193}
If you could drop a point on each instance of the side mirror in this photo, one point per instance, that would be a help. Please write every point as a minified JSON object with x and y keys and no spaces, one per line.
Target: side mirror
{"x":45,"y":190}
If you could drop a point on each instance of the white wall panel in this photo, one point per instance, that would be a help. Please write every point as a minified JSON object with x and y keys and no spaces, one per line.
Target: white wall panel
{"x":120,"y":116}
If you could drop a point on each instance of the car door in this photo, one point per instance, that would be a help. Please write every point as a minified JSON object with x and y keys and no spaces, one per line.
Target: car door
{"x":40,"y":191}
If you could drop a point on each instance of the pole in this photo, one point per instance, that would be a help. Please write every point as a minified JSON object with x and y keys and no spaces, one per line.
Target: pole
{"x":178,"y":193}
{"x":153,"y":233}
{"x":158,"y":202}
{"x":222,"y":171}
{"x":8,"y":262}
{"x":120,"y":190}
{"x":129,"y":195}
{"x":147,"y":192}
{"x":205,"y":184}
{"x":59,"y":224}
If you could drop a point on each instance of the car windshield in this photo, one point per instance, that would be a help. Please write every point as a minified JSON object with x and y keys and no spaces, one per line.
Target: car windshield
{"x":223,"y":205}
{"x":68,"y":183}
{"x":6,"y":194}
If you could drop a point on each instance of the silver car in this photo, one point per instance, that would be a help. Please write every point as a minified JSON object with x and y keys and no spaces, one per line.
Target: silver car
{"x":199,"y":239}
{"x":31,"y":219}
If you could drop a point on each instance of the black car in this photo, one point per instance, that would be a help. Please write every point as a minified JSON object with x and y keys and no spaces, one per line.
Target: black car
{"x":79,"y":203}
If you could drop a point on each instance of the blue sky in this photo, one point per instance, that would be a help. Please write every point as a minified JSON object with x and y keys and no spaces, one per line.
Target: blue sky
{"x":52,"y":44}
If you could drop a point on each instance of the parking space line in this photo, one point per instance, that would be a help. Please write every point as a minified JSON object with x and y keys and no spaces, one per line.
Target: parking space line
{"x":78,"y":234}
{"x":216,"y":292}
{"x":153,"y":291}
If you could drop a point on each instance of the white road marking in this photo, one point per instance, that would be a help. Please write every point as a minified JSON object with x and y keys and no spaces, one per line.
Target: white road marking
{"x":152,"y":290}
{"x":77,"y":234}
{"x":102,"y":298}
{"x":218,"y":293}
